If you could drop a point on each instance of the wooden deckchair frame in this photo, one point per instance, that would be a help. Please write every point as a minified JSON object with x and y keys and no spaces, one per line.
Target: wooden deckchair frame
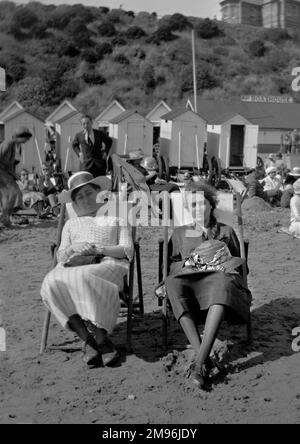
{"x":164,"y":262}
{"x":126,"y":295}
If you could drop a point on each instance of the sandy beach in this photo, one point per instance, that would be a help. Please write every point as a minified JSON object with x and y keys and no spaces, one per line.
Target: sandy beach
{"x":149,"y":386}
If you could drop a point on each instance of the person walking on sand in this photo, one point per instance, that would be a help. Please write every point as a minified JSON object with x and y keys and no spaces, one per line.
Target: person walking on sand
{"x":10,"y":155}
{"x":92,"y":148}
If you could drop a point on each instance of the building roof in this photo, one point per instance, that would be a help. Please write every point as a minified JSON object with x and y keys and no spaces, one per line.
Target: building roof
{"x":125,"y":115}
{"x":178,"y":112}
{"x":266,"y":115}
{"x":22,"y":111}
{"x":12,"y":108}
{"x":65,"y":108}
{"x":114,"y":103}
{"x":161,"y":104}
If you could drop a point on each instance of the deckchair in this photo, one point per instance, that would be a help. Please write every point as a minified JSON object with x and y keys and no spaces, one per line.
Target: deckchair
{"x":126,"y":295}
{"x":224,"y":213}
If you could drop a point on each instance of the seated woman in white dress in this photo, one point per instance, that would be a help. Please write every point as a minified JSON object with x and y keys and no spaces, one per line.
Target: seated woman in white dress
{"x":76,"y":294}
{"x":273,"y":185}
{"x":295,"y":210}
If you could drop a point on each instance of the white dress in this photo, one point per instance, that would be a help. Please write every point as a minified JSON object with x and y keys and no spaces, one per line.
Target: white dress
{"x":91,"y":291}
{"x":295,"y":215}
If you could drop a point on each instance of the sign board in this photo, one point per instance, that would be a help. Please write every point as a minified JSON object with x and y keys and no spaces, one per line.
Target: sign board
{"x":267,"y":99}
{"x":2,"y":79}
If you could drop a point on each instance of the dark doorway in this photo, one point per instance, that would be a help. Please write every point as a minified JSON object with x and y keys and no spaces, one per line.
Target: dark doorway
{"x":236,"y":145}
{"x":156,"y":134}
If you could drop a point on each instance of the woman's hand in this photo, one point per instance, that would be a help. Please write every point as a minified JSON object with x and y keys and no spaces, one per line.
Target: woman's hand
{"x":82,"y":248}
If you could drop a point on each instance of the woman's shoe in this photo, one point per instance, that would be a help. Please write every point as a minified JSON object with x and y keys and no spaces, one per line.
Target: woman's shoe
{"x":111,"y":356}
{"x":92,"y":355}
{"x":200,"y":375}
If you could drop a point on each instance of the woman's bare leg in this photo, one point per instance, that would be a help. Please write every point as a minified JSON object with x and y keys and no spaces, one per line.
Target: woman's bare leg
{"x":213,"y":322}
{"x":190,"y":329}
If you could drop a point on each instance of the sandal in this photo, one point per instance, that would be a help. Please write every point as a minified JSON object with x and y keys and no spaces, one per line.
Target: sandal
{"x":92,"y":355}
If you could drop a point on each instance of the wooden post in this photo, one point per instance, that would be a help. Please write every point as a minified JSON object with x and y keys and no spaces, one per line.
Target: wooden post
{"x":179,"y":151}
{"x":241,"y":235}
{"x":47,"y":318}
{"x":67,"y":155}
{"x":125,"y":144}
{"x":38,"y":151}
{"x":197,"y":152}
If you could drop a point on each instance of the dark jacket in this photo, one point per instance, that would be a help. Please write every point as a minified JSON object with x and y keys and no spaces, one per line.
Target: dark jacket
{"x":94,"y":154}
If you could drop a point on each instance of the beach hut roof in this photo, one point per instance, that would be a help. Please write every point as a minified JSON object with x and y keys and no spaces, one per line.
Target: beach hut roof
{"x":153,"y":111}
{"x":64,"y":109}
{"x":125,"y":115}
{"x":12,"y":108}
{"x":108,"y":108}
{"x":224,"y":117}
{"x":266,"y":115}
{"x":22,"y":111}
{"x":178,"y":112}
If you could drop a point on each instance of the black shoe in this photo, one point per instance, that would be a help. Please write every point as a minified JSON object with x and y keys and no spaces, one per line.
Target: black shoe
{"x":91,"y":353}
{"x":200,"y":375}
{"x":110,"y":354}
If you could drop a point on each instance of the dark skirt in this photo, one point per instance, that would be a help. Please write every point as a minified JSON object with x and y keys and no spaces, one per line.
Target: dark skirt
{"x":195,"y":295}
{"x":10,"y":193}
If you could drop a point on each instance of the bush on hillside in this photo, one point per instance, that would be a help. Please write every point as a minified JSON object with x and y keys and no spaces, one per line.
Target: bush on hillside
{"x":162,"y":34}
{"x":177,"y":22}
{"x":148,"y":78}
{"x":14,"y":65}
{"x":135,"y":32}
{"x":118,"y":41}
{"x":22,"y":22}
{"x":276,"y":35}
{"x":257,"y":48}
{"x":103,"y":49}
{"x":120,"y":58}
{"x":106,"y":29}
{"x":207,"y":29}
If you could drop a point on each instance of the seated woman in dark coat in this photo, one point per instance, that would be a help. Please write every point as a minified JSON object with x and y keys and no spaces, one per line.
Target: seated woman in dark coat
{"x":200,"y":285}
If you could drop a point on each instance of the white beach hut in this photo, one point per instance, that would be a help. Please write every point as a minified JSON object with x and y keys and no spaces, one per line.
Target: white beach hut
{"x":155,"y":118}
{"x":32,"y":153}
{"x":234,"y":140}
{"x":66,"y":121}
{"x":131,"y":131}
{"x":114,"y":109}
{"x":182,"y":138}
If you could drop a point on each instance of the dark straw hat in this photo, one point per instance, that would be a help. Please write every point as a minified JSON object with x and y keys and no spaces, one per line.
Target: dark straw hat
{"x":212,"y":255}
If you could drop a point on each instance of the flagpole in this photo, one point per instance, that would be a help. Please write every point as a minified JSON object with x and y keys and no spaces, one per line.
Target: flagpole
{"x":194,"y":70}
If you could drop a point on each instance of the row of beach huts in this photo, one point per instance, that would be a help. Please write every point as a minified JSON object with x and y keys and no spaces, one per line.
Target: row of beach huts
{"x":234,"y":131}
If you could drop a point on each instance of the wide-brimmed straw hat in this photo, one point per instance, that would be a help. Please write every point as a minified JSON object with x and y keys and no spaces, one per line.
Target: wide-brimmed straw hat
{"x":136,"y":155}
{"x":296,"y":186}
{"x":271,"y":169}
{"x":212,"y":255}
{"x":22,"y":131}
{"x":295,"y":172}
{"x":80,"y":179}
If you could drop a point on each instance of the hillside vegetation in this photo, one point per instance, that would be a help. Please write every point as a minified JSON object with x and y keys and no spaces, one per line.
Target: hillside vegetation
{"x":94,"y":55}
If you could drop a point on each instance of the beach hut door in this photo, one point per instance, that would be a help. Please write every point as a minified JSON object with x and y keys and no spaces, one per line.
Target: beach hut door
{"x":250,"y":146}
{"x":136,"y":135}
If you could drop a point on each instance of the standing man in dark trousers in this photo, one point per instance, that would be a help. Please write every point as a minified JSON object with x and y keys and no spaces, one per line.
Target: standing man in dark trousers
{"x":92,"y":148}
